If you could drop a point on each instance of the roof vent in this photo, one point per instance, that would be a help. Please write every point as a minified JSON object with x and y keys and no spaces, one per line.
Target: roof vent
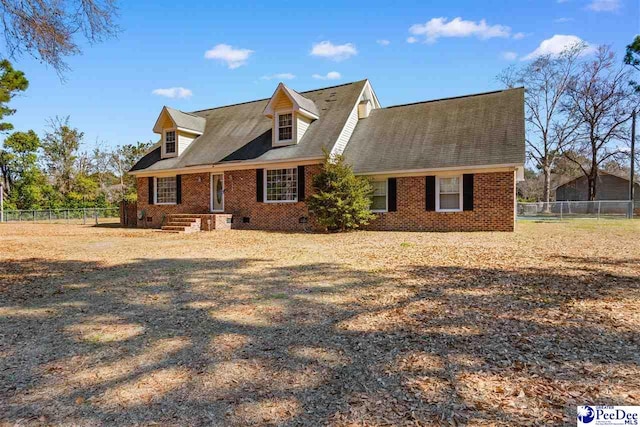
{"x":364,"y":108}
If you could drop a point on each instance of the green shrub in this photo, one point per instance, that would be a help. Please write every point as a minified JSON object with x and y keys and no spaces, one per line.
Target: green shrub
{"x":341,"y":200}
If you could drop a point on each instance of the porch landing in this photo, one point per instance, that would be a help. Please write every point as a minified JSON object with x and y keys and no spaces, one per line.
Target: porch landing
{"x":193,"y":223}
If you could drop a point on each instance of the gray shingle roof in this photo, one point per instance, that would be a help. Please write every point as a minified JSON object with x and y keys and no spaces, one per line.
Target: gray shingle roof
{"x":483,"y":129}
{"x":186,"y":120}
{"x":304,"y":103}
{"x":241,"y":132}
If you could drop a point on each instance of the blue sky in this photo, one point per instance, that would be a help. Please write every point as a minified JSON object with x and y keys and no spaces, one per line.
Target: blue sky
{"x":202,"y":54}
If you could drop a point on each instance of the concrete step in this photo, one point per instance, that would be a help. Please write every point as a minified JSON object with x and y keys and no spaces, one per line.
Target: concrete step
{"x":182,"y":223}
{"x":174,"y":228}
{"x":183,"y":219}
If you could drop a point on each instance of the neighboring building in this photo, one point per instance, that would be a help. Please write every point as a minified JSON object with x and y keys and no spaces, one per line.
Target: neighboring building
{"x":608,"y":187}
{"x":448,"y":164}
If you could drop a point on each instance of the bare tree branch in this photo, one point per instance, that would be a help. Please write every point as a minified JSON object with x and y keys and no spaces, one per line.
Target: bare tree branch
{"x":46,"y":29}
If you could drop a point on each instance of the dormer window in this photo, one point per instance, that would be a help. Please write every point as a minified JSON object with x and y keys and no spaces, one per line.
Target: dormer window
{"x":170,"y":142}
{"x":285,"y":127}
{"x":291,"y":114}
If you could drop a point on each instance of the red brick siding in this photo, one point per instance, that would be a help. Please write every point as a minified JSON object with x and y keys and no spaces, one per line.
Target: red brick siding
{"x":494,"y":198}
{"x":493,"y":207}
{"x":195,"y":199}
{"x":240,"y":200}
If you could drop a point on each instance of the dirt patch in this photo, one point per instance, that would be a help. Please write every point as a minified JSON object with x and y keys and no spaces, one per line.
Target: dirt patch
{"x":123,"y":326}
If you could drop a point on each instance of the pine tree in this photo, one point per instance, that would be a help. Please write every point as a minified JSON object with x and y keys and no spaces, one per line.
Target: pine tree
{"x":341,"y":200}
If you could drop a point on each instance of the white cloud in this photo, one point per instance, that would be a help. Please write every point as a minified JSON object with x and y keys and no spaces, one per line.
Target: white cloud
{"x":519,"y":36}
{"x":232,"y":57}
{"x":509,"y":56}
{"x":279,"y":76}
{"x":383,"y":42}
{"x":441,"y":27}
{"x":412,"y":39}
{"x":173,"y":92}
{"x":604,"y":5}
{"x":557,"y":44}
{"x":336,"y":52}
{"x":562,"y":20}
{"x":331,"y":75}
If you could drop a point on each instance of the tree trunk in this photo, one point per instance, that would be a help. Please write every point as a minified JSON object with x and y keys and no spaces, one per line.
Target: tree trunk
{"x":591,"y":180}
{"x":546,"y":192}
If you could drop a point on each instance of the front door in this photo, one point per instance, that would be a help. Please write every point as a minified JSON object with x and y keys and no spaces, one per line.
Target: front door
{"x":217,"y":192}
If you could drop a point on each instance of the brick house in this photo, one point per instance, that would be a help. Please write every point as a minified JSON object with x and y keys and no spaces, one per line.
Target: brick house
{"x":445,"y":165}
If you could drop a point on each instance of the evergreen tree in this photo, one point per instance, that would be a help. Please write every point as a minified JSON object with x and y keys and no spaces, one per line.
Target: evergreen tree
{"x":341,"y":200}
{"x":11,"y":82}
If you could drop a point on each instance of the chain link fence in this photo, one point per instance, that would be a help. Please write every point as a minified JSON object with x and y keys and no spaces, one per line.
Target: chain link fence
{"x":70,"y":216}
{"x":599,"y":209}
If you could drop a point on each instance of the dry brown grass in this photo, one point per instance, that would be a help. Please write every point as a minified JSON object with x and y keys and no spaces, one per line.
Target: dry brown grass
{"x":103,"y":325}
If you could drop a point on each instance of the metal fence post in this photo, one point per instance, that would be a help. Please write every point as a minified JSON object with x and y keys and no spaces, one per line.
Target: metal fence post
{"x":34,"y":216}
{"x":96,"y":213}
{"x":560,"y":211}
{"x":84,"y":216}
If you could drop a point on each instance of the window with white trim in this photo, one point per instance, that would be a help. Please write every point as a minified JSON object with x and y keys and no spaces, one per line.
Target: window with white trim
{"x":449,"y":192}
{"x":379,"y":196}
{"x":170,"y":141}
{"x":281,"y":185}
{"x":166,"y":190}
{"x":285,"y":127}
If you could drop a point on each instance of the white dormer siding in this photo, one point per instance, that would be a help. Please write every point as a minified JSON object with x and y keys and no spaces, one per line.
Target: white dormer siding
{"x":347,"y":131}
{"x":184,"y":140}
{"x":365,"y":104}
{"x":179,"y":140}
{"x":301,"y":125}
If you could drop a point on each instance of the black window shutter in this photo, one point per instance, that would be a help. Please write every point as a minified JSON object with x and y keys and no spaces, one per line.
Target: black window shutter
{"x":178,"y":189}
{"x":392,"y":188}
{"x":430,"y":193}
{"x":467,"y":192}
{"x":301,"y":184}
{"x":151,"y":190}
{"x":260,"y":185}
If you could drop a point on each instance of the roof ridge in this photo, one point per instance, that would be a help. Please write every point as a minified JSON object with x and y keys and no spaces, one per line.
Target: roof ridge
{"x":183,"y":112}
{"x":450,"y":98}
{"x":265,"y":99}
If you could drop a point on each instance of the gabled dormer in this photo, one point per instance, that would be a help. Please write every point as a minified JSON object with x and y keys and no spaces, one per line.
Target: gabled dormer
{"x":291,"y":115}
{"x":177,"y":131}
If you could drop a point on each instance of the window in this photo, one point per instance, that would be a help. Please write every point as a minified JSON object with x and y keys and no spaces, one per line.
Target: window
{"x":449,"y":193}
{"x":170,"y":141}
{"x":281,"y":185}
{"x":285,"y":127}
{"x":379,"y":196}
{"x":166,"y":190}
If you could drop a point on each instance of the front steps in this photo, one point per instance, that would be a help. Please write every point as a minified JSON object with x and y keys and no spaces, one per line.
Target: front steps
{"x":182,"y":223}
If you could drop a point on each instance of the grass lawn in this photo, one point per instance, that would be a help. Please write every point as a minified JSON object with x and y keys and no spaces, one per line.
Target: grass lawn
{"x":103,"y":325}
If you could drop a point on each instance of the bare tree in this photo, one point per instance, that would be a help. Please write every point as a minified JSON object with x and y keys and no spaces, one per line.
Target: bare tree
{"x":548,"y":125}
{"x":602,"y":99}
{"x":46,"y":29}
{"x":122,"y":160}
